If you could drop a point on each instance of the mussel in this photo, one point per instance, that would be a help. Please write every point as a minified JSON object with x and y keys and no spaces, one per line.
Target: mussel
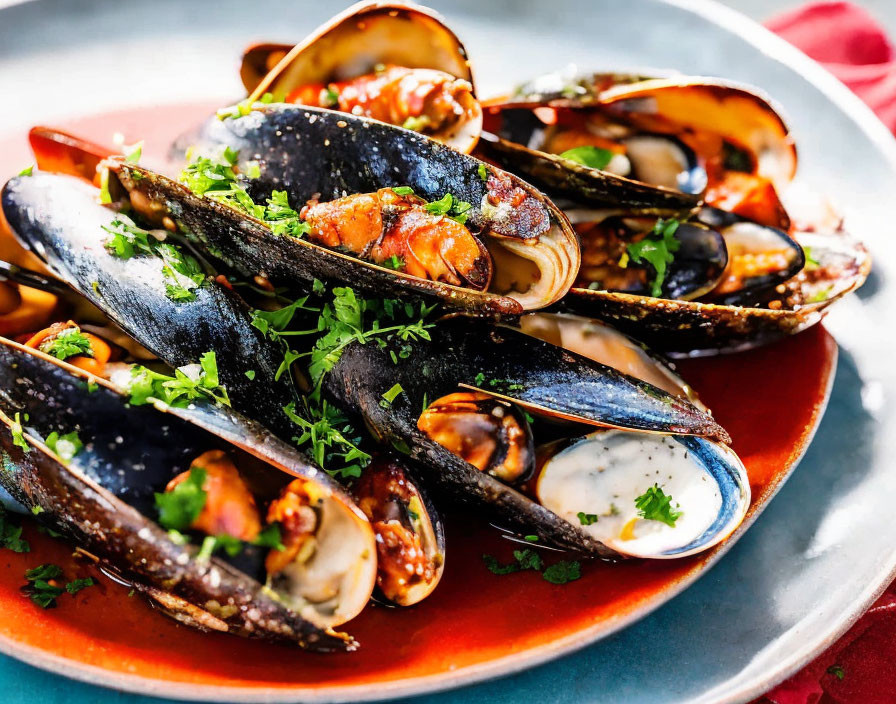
{"x":514,"y":249}
{"x":720,"y":270}
{"x":103,"y":492}
{"x":694,"y":136}
{"x":398,"y":63}
{"x":461,"y":416}
{"x":181,"y":327}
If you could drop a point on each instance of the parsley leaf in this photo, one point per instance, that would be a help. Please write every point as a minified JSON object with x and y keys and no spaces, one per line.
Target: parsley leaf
{"x":11,"y":534}
{"x":657,"y":250}
{"x":66,"y":446}
{"x":393,"y":393}
{"x":189,"y":383}
{"x":394,"y":262}
{"x":562,"y":572}
{"x":70,"y":342}
{"x":181,"y":506}
{"x":39,"y":589}
{"x":587,"y":519}
{"x":592,"y":157}
{"x":450,"y":206}
{"x":27,"y":171}
{"x":77,"y":585}
{"x":270,"y":537}
{"x":403,"y":190}
{"x":483,"y":172}
{"x":655,"y":505}
{"x":18,"y":434}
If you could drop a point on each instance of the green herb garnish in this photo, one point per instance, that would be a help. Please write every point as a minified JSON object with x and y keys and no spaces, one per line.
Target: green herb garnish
{"x":837,"y":671}
{"x":133,"y":157}
{"x":394,"y":262}
{"x":181,"y":506}
{"x":39,"y":589}
{"x":11,"y":534}
{"x":655,"y":505}
{"x":450,"y":206}
{"x":393,"y":393}
{"x":77,"y":585}
{"x":189,"y":383}
{"x":592,"y":157}
{"x":562,"y":572}
{"x":27,"y":171}
{"x":70,"y":342}
{"x":403,"y":191}
{"x":18,"y":433}
{"x":587,"y":519}
{"x":483,"y":172}
{"x":66,"y":446}
{"x":657,"y":250}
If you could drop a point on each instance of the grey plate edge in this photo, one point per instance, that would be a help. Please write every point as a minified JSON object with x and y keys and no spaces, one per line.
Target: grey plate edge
{"x":782,"y":52}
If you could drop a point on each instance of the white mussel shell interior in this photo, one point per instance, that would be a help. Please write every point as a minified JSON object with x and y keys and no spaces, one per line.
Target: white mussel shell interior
{"x":603,"y":473}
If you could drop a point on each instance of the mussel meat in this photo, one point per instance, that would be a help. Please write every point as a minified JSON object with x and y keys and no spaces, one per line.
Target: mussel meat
{"x":398,"y":63}
{"x":109,"y":497}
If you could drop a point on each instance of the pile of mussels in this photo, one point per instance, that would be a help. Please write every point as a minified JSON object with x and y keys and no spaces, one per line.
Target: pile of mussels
{"x":239,"y":388}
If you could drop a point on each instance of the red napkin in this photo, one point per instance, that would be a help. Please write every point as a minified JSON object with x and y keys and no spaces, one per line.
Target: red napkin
{"x":860,"y":668}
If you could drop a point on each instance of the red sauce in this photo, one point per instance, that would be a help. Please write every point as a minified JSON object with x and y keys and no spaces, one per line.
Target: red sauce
{"x":768,"y":399}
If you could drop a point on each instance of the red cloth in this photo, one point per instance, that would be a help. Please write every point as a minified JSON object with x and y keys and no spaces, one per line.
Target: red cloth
{"x":860,"y":668}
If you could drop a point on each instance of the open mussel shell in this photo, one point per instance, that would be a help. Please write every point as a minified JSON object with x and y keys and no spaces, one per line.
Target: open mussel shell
{"x":103,"y":500}
{"x":60,"y":219}
{"x":313,"y":152}
{"x":735,"y":112}
{"x":512,"y":367}
{"x":603,"y":344}
{"x":692,"y":327}
{"x":602,"y":474}
{"x":593,"y":187}
{"x":357,"y":41}
{"x":410,"y":535}
{"x":752,"y":241}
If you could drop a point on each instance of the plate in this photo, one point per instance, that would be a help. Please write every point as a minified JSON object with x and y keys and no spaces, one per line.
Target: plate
{"x":778,"y":598}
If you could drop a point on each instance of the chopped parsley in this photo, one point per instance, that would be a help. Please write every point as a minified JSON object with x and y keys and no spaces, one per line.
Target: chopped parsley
{"x":181,"y":506}
{"x":233,"y":546}
{"x":18,"y":433}
{"x":70,"y":342}
{"x":530,"y":538}
{"x":43,"y":585}
{"x":189,"y":383}
{"x":329,"y":97}
{"x":27,"y":171}
{"x":66,"y":446}
{"x":655,"y":505}
{"x":819,"y":296}
{"x":133,"y":157}
{"x":393,"y":393}
{"x":342,"y":320}
{"x":77,"y":585}
{"x":450,"y":206}
{"x":403,"y":191}
{"x":558,"y":573}
{"x":219,"y":179}
{"x":563,"y":572}
{"x":243,"y":108}
{"x":11,"y":534}
{"x":250,"y":374}
{"x":394,"y":262}
{"x":592,"y":157}
{"x":587,"y":519}
{"x":37,"y":510}
{"x":483,"y":172}
{"x":40,"y":589}
{"x":657,"y":249}
{"x":182,"y":272}
{"x":416,"y":124}
{"x":837,"y":671}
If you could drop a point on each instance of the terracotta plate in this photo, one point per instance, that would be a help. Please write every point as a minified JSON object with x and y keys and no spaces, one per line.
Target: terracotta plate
{"x":479,"y":625}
